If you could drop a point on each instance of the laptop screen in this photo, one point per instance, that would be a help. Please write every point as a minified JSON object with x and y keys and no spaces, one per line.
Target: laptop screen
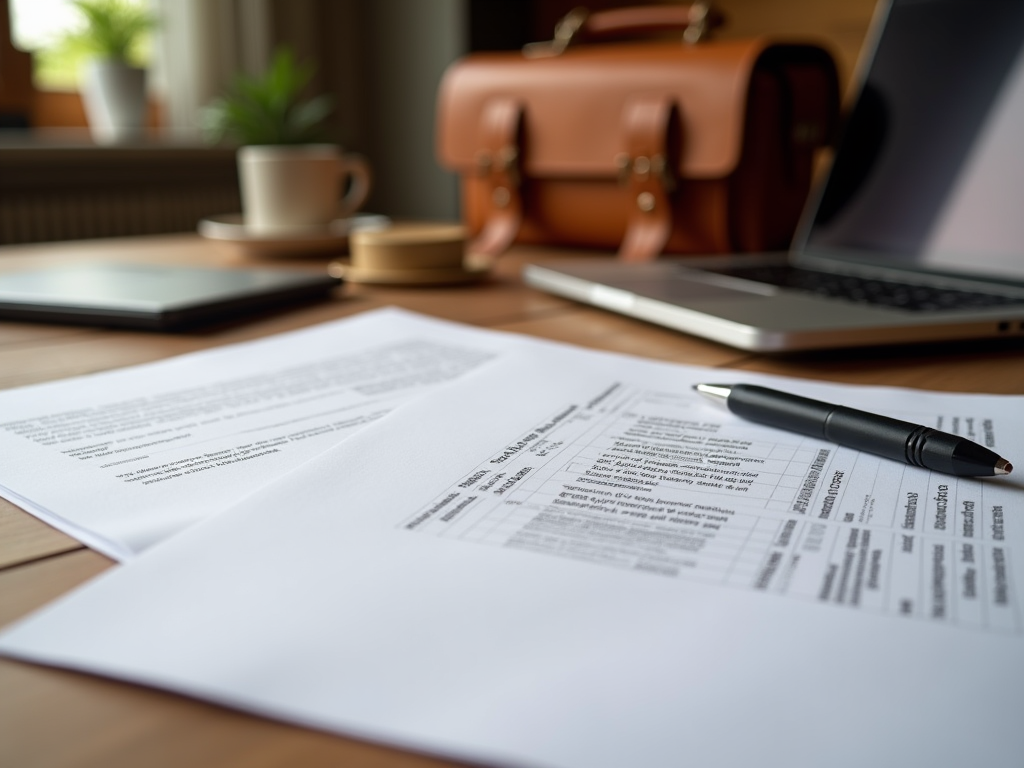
{"x":929,"y":172}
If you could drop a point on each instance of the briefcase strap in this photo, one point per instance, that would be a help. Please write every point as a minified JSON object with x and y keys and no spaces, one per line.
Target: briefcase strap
{"x":648,"y":163}
{"x":695,"y":21}
{"x":647,"y":167}
{"x":498,"y":160}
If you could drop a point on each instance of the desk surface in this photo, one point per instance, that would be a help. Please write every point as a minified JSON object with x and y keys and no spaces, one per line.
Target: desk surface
{"x":55,"y":718}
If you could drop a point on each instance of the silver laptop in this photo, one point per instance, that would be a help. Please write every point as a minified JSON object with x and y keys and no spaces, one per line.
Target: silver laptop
{"x":916,"y":235}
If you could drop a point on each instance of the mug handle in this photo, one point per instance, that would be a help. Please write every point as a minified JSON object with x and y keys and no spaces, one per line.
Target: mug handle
{"x":356,"y":170}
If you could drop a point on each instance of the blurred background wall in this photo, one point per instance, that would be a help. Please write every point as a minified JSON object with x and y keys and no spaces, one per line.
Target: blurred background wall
{"x":385,"y":58}
{"x":382,"y":60}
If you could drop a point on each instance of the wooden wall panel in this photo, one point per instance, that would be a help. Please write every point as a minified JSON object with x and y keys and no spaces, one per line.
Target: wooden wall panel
{"x":840,"y":25}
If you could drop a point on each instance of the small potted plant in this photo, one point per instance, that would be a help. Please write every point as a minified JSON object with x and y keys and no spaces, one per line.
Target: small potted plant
{"x":270,"y":108}
{"x":291,"y":179}
{"x":113,"y":85}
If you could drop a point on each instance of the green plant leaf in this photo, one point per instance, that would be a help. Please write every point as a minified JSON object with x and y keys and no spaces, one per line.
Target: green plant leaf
{"x":269,"y":109}
{"x":112,"y":29}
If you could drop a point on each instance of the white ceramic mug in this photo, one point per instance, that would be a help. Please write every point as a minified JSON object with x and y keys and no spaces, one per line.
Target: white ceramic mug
{"x":295,"y":188}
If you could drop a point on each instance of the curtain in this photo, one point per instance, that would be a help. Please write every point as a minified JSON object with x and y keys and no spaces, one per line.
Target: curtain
{"x":203,"y":45}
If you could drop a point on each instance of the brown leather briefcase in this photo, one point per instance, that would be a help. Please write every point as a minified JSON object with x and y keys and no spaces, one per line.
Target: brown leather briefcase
{"x":650,"y":146}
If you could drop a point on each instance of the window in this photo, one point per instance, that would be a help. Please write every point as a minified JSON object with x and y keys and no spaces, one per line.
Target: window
{"x":38,"y":26}
{"x":47,"y":29}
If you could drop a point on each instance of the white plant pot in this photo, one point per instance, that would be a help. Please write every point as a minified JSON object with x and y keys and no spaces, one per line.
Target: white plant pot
{"x":114,"y":96}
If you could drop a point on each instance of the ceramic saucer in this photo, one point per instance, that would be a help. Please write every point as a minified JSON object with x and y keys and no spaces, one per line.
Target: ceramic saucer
{"x":228,"y":228}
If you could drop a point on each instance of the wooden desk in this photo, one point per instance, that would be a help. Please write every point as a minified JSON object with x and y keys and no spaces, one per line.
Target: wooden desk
{"x":54,"y":718}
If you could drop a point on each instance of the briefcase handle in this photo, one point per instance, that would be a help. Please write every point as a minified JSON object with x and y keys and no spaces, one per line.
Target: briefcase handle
{"x":696,"y":21}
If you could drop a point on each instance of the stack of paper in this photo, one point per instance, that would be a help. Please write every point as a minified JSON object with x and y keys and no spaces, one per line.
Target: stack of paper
{"x":565,"y":558}
{"x":123,"y":459}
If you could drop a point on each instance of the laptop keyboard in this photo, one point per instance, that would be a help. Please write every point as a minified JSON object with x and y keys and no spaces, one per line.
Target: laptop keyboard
{"x":918,"y":298}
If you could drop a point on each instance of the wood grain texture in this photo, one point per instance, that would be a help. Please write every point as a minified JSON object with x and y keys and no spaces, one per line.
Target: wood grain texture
{"x":35,"y":584}
{"x":23,"y":538}
{"x":839,"y":26}
{"x":601,"y":330}
{"x":15,"y":334}
{"x":50,"y":717}
{"x":995,"y":367}
{"x":60,"y":719}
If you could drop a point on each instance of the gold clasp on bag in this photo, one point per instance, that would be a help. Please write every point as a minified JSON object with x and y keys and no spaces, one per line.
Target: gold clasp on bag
{"x":566,"y":30}
{"x":507,"y":162}
{"x":504,"y":164}
{"x":700,"y":23}
{"x":643,"y":167}
{"x":624,"y":163}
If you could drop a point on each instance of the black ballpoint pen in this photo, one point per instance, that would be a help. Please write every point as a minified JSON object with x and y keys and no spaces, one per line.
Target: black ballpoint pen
{"x":894,"y":439}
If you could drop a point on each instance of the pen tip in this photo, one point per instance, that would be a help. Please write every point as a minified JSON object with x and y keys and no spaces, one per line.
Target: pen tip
{"x":718,"y":392}
{"x":1003,"y":467}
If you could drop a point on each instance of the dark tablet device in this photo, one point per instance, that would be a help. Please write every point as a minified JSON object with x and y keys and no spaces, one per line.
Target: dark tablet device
{"x":152,"y":297}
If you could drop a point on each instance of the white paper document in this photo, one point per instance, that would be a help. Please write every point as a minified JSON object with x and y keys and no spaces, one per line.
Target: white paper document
{"x":124,"y":459}
{"x":648,"y":480}
{"x":569,"y":559}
